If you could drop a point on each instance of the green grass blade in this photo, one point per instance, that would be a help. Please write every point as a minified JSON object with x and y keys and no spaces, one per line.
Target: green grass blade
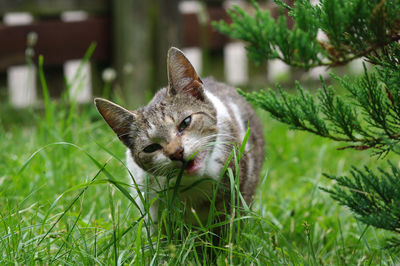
{"x":46,"y":95}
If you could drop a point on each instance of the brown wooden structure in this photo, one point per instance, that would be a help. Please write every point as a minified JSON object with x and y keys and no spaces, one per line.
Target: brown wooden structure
{"x":120,"y":28}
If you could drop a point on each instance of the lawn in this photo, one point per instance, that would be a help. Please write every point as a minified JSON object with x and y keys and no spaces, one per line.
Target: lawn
{"x":63,"y":198}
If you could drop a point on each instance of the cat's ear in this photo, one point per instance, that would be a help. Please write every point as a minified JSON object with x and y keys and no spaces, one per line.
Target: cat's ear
{"x":117,"y":117}
{"x":181,"y":75}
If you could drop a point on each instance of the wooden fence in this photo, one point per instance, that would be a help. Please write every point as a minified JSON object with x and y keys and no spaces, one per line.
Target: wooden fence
{"x":122,"y":32}
{"x":132,"y":38}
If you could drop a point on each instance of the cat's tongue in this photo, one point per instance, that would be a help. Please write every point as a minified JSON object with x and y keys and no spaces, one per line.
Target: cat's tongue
{"x":195,"y":164}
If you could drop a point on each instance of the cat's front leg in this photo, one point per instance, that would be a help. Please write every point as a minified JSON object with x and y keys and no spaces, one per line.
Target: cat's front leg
{"x":140,"y":192}
{"x":147,"y":204}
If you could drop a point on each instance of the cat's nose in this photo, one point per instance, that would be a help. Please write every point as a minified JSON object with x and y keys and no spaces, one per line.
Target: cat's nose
{"x":177,"y":155}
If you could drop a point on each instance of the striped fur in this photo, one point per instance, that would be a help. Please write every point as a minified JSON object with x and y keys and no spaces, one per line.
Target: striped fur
{"x":219,"y":120}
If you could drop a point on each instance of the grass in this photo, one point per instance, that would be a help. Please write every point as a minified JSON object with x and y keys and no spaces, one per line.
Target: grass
{"x":64,"y":198}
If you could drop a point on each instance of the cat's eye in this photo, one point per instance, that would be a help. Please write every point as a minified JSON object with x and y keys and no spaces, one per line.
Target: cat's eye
{"x":185,"y":123}
{"x":152,"y":148}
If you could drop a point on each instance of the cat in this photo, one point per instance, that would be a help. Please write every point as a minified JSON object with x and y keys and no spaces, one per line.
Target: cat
{"x":191,"y":123}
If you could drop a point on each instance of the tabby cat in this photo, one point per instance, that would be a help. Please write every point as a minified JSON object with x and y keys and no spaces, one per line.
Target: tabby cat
{"x":192,"y":125}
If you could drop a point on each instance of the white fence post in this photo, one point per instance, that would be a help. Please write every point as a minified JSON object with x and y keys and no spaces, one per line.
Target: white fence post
{"x":194,"y":54}
{"x":78,"y":79}
{"x":21,"y":80}
{"x":235,"y":63}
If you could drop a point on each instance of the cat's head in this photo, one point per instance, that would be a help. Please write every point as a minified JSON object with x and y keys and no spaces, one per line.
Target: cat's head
{"x":176,"y":128}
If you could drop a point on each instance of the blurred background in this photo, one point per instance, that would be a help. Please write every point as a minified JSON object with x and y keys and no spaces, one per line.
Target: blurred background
{"x":130,"y":40}
{"x":116,"y":49}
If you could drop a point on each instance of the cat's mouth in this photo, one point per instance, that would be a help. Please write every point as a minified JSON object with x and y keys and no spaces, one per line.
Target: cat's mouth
{"x":196,"y":163}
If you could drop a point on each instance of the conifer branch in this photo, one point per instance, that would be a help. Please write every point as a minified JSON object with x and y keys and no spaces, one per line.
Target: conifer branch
{"x":367,"y":118}
{"x":372,"y":197}
{"x":374,"y":47}
{"x":356,"y":29}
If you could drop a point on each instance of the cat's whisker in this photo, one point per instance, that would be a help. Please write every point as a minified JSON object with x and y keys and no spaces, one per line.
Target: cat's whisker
{"x":165,"y":169}
{"x":221,"y":135}
{"x":206,"y":141}
{"x":162,"y":169}
{"x":210,"y":146}
{"x":203,"y":140}
{"x":125,"y":134}
{"x":157,"y":167}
